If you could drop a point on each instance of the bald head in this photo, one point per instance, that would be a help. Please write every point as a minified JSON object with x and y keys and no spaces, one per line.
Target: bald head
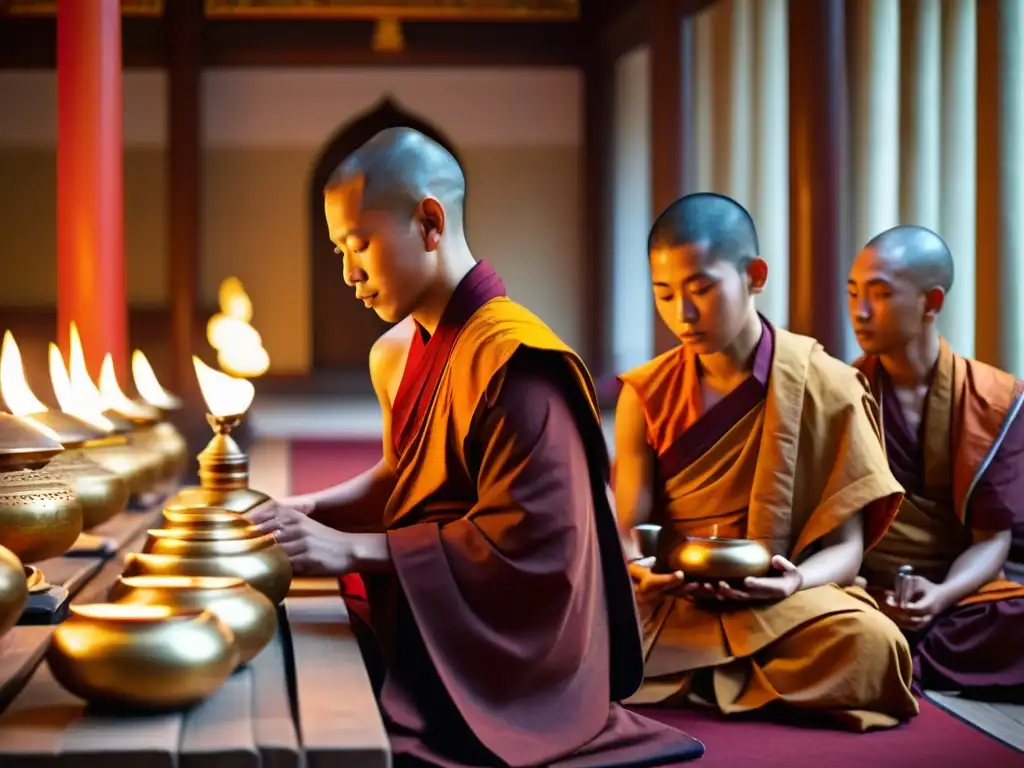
{"x":917,"y":254}
{"x":718,"y":225}
{"x":398,"y":168}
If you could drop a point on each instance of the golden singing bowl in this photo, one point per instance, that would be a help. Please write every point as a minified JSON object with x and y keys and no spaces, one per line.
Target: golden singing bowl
{"x":173,"y":447}
{"x":267,"y":569}
{"x":248,"y":613}
{"x":101,"y":493}
{"x":139,"y":468}
{"x":40,"y":516}
{"x":146,"y":437}
{"x":142,"y":656}
{"x":719,"y":559}
{"x":238,"y":500}
{"x":13,"y":590}
{"x":182,"y":543}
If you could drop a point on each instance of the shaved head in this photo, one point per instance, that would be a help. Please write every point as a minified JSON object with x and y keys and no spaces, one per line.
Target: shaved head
{"x":918,"y":254}
{"x":398,"y":168}
{"x":717,"y":225}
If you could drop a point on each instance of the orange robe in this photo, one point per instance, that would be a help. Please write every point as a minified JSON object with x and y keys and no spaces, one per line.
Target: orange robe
{"x":509,"y":595}
{"x":970,"y":434}
{"x":786,"y":458}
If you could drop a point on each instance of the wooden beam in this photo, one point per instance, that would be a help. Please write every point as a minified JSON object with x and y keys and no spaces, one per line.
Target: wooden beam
{"x":30,"y":43}
{"x":305,"y":43}
{"x":184,"y":181}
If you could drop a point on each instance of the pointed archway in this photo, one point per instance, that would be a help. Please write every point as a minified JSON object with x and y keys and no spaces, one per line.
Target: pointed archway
{"x":343,"y":330}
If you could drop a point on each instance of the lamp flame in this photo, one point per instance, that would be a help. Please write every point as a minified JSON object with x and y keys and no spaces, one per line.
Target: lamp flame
{"x":20,"y":399}
{"x":76,"y":393}
{"x":224,"y":395}
{"x":239,"y":346}
{"x":149,"y":386}
{"x":113,"y":396}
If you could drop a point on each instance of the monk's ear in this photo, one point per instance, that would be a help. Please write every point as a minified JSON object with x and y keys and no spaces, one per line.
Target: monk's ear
{"x":757,"y":273}
{"x":934,"y":298}
{"x":431,"y":217}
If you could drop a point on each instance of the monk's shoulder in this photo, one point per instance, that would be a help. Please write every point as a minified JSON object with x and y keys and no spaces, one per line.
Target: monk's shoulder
{"x":388,"y":355}
{"x":646,"y":378}
{"x":833,"y":385}
{"x":996,"y":386}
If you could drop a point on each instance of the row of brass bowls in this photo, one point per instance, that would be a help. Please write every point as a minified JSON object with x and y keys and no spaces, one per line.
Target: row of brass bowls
{"x":213,"y":542}
{"x":40,"y":515}
{"x":141,"y":655}
{"x":13,"y":589}
{"x":703,"y":559}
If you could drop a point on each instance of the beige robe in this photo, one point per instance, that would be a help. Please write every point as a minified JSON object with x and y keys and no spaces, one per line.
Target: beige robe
{"x":792,"y":470}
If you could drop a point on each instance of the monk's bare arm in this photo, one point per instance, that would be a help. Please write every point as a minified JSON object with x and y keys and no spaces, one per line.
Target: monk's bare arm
{"x":634,"y":468}
{"x":977,"y":565}
{"x":358,"y":503}
{"x":839,"y":559}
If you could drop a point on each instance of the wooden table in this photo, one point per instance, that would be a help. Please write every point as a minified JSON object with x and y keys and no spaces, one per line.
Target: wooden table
{"x":305,"y":700}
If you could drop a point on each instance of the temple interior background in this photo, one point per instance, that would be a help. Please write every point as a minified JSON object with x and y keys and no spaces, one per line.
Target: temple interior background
{"x":830,"y":120}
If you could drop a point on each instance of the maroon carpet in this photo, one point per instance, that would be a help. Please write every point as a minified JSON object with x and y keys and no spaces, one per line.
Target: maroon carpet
{"x":935,"y":738}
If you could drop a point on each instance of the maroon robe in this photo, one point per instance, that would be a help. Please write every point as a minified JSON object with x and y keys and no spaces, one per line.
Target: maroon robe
{"x":494,"y":636}
{"x":976,"y":648}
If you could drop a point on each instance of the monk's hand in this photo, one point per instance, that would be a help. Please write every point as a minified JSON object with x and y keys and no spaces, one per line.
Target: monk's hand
{"x":766,"y":588}
{"x":313,"y":548}
{"x":925,"y":601}
{"x":264,"y":515}
{"x":650,"y":587}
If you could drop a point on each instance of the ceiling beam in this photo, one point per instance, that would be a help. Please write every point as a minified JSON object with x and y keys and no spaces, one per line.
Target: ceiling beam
{"x":30,"y":43}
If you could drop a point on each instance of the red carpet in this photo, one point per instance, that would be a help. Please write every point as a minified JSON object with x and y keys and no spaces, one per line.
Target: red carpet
{"x":935,"y":739}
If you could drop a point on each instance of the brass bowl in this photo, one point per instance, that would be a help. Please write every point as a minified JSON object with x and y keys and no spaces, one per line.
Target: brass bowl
{"x":139,"y":468}
{"x":248,"y":613}
{"x":13,"y":590}
{"x":717,"y":559}
{"x":146,"y":438}
{"x":174,"y":448}
{"x":142,"y":656}
{"x":40,"y":516}
{"x":101,"y":492}
{"x":265,"y":568}
{"x":238,"y":500}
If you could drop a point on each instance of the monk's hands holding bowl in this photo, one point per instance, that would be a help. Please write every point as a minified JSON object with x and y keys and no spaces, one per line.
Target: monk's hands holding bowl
{"x":756,"y":589}
{"x":270,"y":508}
{"x":925,"y":601}
{"x":313,"y":548}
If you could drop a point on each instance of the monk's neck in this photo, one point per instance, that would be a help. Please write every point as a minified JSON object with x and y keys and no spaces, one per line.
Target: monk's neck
{"x":736,"y":361}
{"x":452,"y":268}
{"x":912,"y":365}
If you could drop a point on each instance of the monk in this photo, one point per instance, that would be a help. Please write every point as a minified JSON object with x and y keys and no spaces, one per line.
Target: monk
{"x":497,"y":587}
{"x":954,"y":432}
{"x":749,"y":431}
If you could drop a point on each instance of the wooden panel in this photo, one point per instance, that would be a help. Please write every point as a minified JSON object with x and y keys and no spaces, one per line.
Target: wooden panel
{"x":30,"y":43}
{"x":276,"y":736}
{"x":491,"y":10}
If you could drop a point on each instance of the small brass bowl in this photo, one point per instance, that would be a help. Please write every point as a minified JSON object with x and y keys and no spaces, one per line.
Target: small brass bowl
{"x":265,"y":568}
{"x":13,"y":590}
{"x":40,"y":516}
{"x":248,"y":613}
{"x":717,"y":559}
{"x":101,"y":493}
{"x":154,"y":657}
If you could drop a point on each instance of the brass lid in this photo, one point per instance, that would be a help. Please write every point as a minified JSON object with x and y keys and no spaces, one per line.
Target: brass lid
{"x":122,"y":424}
{"x":23,"y":446}
{"x":72,"y":431}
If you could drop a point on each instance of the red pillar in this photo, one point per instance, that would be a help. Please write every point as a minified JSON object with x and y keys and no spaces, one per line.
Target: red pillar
{"x":90,"y":203}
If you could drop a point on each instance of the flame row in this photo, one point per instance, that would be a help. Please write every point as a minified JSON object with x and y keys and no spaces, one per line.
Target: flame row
{"x":239,"y":346}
